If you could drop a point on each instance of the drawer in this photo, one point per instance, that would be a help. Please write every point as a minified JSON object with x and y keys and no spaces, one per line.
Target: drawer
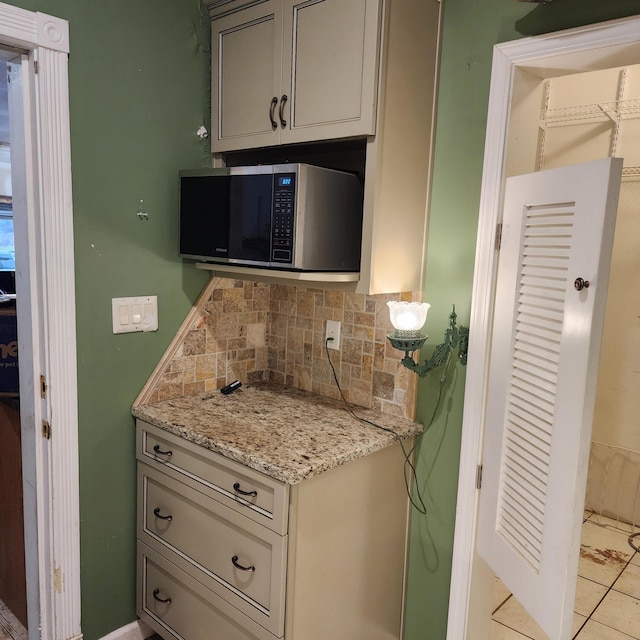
{"x":244,"y":490}
{"x":237,"y":558}
{"x":177,"y":606}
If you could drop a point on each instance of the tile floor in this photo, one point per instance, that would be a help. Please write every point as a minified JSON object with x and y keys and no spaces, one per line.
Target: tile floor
{"x":608,"y":591}
{"x":10,"y":627}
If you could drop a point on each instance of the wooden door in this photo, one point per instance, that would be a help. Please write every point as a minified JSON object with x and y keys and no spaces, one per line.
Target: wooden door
{"x":246,"y":69}
{"x":551,"y":291}
{"x":12,"y":568}
{"x":331,"y":60}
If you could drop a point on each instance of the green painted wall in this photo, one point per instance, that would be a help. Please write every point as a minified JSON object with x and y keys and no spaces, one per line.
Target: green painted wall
{"x":470,"y":29}
{"x":138,"y":75}
{"x":138,"y":92}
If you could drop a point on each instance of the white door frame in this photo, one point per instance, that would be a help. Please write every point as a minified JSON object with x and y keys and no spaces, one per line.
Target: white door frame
{"x":46,"y":323}
{"x":599,"y":46}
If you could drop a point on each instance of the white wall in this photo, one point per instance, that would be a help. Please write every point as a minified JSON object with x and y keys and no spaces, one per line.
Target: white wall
{"x":583,"y":117}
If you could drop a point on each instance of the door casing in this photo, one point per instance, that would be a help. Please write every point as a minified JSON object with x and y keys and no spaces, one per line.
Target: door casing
{"x":41,"y":173}
{"x":600,"y":46}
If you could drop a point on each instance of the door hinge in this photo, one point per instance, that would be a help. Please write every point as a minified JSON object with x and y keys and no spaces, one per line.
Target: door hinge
{"x":498,"y":241}
{"x":36,"y":66}
{"x":43,"y":387}
{"x":479,"y":476}
{"x":46,"y":430}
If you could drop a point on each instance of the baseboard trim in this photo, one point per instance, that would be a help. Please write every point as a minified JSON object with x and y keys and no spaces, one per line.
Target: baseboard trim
{"x":137,"y":630}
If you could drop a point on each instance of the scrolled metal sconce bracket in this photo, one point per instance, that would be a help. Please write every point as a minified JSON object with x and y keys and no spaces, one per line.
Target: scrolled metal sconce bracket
{"x":455,"y":337}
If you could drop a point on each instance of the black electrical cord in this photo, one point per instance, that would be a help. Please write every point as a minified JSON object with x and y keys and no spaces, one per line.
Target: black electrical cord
{"x":421,"y":507}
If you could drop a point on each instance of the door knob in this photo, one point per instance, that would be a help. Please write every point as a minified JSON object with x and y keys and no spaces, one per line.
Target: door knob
{"x":580,"y":284}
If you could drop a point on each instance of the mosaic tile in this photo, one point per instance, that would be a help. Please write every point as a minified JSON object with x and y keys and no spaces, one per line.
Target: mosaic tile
{"x":194,"y":388}
{"x":182,"y":364}
{"x":206,"y":366}
{"x":256,"y":335}
{"x":194,"y":342}
{"x":170,"y":386}
{"x":383,"y":385}
{"x":364,"y":333}
{"x":334,"y":299}
{"x":233,"y":300}
{"x":354,"y":302}
{"x":306,"y":304}
{"x":351,"y":351}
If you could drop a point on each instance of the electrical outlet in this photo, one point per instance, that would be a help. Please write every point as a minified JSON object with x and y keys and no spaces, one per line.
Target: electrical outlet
{"x":333,"y":331}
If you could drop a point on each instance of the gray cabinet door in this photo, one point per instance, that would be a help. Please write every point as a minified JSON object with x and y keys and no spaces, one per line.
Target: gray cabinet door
{"x":246,"y":77}
{"x":332,"y":68}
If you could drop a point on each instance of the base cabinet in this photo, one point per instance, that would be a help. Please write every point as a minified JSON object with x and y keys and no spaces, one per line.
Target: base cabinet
{"x":211,"y":560}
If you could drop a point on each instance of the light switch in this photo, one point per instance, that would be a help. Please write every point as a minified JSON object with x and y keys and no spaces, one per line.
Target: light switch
{"x":134,"y":314}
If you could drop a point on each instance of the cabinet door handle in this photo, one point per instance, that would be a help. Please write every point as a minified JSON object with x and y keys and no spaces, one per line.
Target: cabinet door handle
{"x":272,"y":111}
{"x":158,"y":451}
{"x":157,"y":514}
{"x":163,"y":600}
{"x":234,"y":560}
{"x":237,"y":489}
{"x":283,"y":101}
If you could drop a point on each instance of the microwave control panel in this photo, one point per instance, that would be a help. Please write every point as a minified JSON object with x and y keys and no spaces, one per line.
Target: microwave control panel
{"x":284,"y":192}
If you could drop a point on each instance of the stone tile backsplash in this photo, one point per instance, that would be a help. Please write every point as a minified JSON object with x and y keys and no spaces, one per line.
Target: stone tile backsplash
{"x":258,"y":331}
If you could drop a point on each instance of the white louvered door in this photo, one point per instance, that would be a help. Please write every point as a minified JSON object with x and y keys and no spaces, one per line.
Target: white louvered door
{"x":557,"y":227}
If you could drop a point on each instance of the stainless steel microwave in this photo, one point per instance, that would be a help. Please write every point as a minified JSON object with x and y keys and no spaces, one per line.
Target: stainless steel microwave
{"x":288,"y":216}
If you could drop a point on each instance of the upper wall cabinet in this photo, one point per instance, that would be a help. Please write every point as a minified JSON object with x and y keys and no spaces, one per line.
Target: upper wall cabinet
{"x":288,"y":71}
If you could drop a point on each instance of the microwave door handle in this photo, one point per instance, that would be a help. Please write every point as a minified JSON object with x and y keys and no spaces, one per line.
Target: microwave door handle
{"x":272,"y":112}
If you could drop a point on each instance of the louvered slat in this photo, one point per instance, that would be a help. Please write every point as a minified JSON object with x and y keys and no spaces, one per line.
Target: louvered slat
{"x":529,"y":463}
{"x":542,"y":372}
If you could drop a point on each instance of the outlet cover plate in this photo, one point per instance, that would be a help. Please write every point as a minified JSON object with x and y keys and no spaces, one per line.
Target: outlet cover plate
{"x":333,"y":331}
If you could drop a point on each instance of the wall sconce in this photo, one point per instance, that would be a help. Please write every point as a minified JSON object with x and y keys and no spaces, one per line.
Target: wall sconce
{"x":408,"y":319}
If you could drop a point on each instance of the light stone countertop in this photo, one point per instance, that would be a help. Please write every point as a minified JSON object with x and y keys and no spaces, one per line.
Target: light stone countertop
{"x":285,"y":433}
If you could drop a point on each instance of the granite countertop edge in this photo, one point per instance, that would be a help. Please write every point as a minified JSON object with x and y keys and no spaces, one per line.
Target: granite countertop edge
{"x":287,"y":434}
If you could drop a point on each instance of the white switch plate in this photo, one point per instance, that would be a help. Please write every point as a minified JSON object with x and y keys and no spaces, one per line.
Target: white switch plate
{"x":134,"y":314}
{"x":333,"y":331}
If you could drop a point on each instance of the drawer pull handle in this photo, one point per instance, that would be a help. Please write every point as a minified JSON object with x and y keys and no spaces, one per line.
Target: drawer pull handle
{"x":157,"y":450}
{"x":157,"y":514}
{"x":237,"y":489}
{"x":234,"y":560}
{"x":163,"y":600}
